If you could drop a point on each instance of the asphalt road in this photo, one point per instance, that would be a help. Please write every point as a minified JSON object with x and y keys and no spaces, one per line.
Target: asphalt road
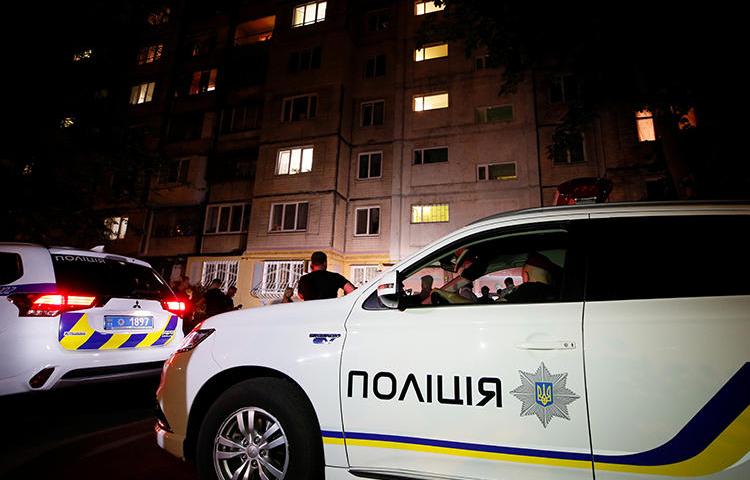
{"x":86,"y":432}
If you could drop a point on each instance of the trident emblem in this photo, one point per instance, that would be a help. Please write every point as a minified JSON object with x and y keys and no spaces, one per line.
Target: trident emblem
{"x":544,"y":396}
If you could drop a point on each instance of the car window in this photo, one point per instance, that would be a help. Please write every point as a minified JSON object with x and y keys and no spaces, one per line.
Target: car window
{"x":532,"y":264}
{"x":108,"y":277}
{"x":11,"y":267}
{"x":663,"y":257}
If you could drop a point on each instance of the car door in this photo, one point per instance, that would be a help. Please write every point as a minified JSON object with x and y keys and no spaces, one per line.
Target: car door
{"x":481,"y":391}
{"x":667,"y":326}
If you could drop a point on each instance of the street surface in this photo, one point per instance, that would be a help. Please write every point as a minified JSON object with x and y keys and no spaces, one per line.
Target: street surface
{"x":86,"y":432}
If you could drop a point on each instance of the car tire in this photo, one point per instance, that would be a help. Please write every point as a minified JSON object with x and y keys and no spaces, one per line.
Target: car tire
{"x":226,"y":443}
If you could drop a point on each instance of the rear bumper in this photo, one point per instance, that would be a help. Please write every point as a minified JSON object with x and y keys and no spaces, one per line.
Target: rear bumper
{"x":170,"y":441}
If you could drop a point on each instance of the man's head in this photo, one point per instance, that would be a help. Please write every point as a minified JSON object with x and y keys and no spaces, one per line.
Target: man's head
{"x":215,"y":283}
{"x":288,"y":292}
{"x":538,"y":268}
{"x":427,"y":282}
{"x":485,"y":291}
{"x":319,"y":261}
{"x":509,"y":282}
{"x":231,"y":291}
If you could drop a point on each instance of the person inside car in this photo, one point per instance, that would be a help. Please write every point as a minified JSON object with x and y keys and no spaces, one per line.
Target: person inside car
{"x":459,"y":291}
{"x":538,"y":279}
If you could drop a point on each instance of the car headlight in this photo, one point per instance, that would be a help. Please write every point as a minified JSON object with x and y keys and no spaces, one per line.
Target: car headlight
{"x":193,"y":339}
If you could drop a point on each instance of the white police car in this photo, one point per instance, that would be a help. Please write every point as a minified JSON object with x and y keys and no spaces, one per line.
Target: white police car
{"x":629,"y":358}
{"x":69,"y":316}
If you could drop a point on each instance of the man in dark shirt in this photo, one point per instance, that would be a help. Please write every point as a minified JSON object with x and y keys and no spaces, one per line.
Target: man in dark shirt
{"x":537,"y":276}
{"x":214,"y":299}
{"x":320,"y":283}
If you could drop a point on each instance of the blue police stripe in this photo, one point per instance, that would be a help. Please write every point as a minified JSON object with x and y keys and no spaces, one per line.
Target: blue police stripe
{"x":134,"y":340}
{"x":168,"y":332}
{"x":6,"y":290}
{"x":67,"y":321}
{"x":95,"y":341}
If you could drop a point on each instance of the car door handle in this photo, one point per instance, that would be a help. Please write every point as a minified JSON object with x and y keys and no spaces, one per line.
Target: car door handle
{"x":554,"y":345}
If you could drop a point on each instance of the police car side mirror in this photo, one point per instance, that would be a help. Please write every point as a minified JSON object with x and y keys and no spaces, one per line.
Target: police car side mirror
{"x":389,"y":290}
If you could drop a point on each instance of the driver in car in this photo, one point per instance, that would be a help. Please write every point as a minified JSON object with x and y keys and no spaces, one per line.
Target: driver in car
{"x":460,"y":291}
{"x":537,"y":273}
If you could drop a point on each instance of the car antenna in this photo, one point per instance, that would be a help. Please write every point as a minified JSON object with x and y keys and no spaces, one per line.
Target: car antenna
{"x":98,"y":249}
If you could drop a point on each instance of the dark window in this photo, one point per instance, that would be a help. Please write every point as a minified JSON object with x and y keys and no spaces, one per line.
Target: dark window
{"x":370,"y":165}
{"x":378,"y":22}
{"x":375,"y":67}
{"x":372,"y":113}
{"x":430,"y":155}
{"x":108,"y":277}
{"x":201,"y":46}
{"x":176,"y":223}
{"x":573,"y":152}
{"x":303,"y":60}
{"x":240,"y":118}
{"x":564,"y":88}
{"x":668,"y":257}
{"x":502,"y":113}
{"x":187,"y":126}
{"x":300,"y":108}
{"x":11,"y":267}
{"x":175,"y":171}
{"x":367,"y":221}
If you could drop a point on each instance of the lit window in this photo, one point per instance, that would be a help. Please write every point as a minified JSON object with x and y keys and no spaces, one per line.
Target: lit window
{"x":278,"y":275}
{"x":203,"y":81}
{"x":68,"y":121}
{"x":362,"y":274}
{"x":431,"y":51}
{"x":367,"y":221}
{"x":497,"y":171}
{"x":645,"y":122}
{"x":422,"y":8}
{"x":83,"y":55}
{"x":230,"y":218}
{"x":430,"y":155}
{"x":302,"y":107}
{"x":150,"y":54}
{"x":175,"y":171}
{"x":309,"y":13}
{"x":499,"y":113}
{"x":288,"y":217}
{"x":372,"y":113}
{"x":254,"y":31}
{"x":370,"y":165}
{"x":142,"y":93}
{"x":292,"y":161}
{"x":430,"y":102}
{"x":158,"y":17}
{"x":116,"y":227}
{"x":429,"y":213}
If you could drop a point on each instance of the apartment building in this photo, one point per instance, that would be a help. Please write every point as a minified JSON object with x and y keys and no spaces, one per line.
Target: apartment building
{"x":288,"y":127}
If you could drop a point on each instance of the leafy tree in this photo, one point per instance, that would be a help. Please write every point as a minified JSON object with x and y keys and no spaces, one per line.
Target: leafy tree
{"x":667,"y":57}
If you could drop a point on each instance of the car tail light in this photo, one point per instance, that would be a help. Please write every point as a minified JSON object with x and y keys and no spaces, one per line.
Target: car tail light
{"x":50,"y":304}
{"x":175,"y":306}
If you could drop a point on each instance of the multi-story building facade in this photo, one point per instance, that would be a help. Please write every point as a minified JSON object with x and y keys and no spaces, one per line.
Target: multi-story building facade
{"x":288,"y":127}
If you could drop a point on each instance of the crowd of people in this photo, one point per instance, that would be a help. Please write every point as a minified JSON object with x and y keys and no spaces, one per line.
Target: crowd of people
{"x":203,"y":302}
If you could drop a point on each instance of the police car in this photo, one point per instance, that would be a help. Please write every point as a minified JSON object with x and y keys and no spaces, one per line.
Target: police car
{"x":69,"y":316}
{"x":632,"y":361}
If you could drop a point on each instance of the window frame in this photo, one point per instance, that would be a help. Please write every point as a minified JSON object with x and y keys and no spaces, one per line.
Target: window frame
{"x":649,"y":119}
{"x":428,"y":46}
{"x":143,"y":94}
{"x":302,"y":149}
{"x":291,"y":100}
{"x":372,"y":123}
{"x":369,"y":164}
{"x":197,"y":87}
{"x":375,"y":61}
{"x":296,"y":268}
{"x":317,"y":17}
{"x":150,"y":54}
{"x":368,"y":270}
{"x":421,"y":97}
{"x":183,"y":171}
{"x":283,"y":215}
{"x":423,"y":149}
{"x":425,"y":9}
{"x":485,"y":109}
{"x":122,"y":227}
{"x":367,"y":208}
{"x":422,"y":205}
{"x":487,"y":166}
{"x":568,"y":155}
{"x":229,"y":206}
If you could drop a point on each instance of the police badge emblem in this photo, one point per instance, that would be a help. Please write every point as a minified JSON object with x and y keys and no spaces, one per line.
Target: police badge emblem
{"x":544,"y":395}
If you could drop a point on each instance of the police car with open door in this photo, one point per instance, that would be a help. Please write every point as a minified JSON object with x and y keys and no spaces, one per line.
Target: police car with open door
{"x":623,"y":354}
{"x":70,"y":316}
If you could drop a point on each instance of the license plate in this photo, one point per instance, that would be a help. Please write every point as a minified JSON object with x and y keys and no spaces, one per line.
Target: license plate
{"x":128,"y":322}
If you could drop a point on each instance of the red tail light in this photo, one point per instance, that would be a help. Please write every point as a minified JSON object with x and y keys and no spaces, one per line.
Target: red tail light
{"x":50,"y":304}
{"x":175,"y":306}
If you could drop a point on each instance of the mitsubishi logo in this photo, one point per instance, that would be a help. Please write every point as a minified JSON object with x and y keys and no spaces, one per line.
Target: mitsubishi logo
{"x":137,"y":305}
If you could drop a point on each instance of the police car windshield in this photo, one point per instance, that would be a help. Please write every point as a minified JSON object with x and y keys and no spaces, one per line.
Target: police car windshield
{"x":108,"y":278}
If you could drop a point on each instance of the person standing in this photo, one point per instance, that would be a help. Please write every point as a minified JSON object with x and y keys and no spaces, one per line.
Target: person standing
{"x":485,"y":298}
{"x":214,"y":300}
{"x":320,"y":283}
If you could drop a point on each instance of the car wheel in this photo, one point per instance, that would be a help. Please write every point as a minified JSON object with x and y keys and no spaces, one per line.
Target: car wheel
{"x":260,"y":429}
